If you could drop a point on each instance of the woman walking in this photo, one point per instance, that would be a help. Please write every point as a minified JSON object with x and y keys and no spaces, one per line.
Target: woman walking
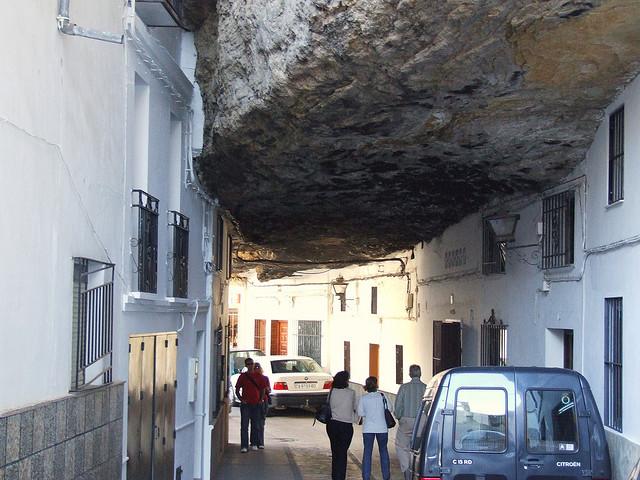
{"x":340,"y":428}
{"x":371,"y":407}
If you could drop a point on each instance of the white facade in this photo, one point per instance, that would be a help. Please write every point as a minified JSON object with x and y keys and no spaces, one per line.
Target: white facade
{"x":82,"y":123}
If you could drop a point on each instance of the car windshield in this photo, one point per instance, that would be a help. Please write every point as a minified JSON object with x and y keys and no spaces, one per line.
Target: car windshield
{"x":295,"y":365}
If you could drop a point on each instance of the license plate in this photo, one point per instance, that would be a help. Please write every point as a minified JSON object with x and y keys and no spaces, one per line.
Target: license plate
{"x":306,"y":385}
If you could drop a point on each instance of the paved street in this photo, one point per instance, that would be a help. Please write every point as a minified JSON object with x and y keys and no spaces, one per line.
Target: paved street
{"x":295,"y":449}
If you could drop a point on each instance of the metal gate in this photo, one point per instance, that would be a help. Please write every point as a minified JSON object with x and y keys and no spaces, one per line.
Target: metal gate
{"x":493,"y":344}
{"x":152,"y":391}
{"x":310,"y":339}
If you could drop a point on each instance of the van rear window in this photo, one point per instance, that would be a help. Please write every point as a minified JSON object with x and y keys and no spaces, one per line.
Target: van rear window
{"x":552,"y":425}
{"x":481,"y":420}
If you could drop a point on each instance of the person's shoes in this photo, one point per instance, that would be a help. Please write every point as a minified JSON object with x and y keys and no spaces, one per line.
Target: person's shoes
{"x":253,"y":447}
{"x":243,"y":450}
{"x":261,"y":447}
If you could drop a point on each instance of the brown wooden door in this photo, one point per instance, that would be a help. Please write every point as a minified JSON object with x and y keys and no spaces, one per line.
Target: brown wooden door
{"x":279,"y":337}
{"x":260,"y":335}
{"x":374,"y":360}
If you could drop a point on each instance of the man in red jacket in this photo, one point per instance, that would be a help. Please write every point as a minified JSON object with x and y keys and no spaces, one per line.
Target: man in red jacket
{"x":250,"y":389}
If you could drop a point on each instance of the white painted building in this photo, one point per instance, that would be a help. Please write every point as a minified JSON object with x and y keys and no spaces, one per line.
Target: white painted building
{"x":109,"y":244}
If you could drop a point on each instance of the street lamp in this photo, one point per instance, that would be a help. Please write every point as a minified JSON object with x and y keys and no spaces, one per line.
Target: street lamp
{"x":340,"y":290}
{"x":504,"y":226}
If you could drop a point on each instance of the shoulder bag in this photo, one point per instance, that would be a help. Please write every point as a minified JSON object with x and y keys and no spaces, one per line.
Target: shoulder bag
{"x":391,"y":422}
{"x":323,"y":415}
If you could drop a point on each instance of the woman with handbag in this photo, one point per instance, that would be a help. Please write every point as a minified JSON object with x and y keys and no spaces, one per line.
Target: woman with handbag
{"x":342,"y":401}
{"x":373,"y":407}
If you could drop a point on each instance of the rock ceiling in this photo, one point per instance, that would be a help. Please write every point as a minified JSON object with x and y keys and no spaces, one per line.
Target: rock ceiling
{"x":340,"y":130}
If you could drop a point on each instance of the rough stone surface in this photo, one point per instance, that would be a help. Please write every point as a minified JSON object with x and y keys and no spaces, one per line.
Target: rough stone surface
{"x":342,"y":129}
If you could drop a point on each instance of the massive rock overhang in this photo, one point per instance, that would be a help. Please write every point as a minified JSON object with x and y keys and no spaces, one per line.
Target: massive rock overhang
{"x":342,"y":130}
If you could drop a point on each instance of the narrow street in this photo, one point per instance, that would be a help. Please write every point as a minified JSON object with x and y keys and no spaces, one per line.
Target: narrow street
{"x":295,"y":449}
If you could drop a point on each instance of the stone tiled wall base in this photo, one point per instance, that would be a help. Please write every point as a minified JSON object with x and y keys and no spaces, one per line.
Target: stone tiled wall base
{"x":624,"y":455}
{"x":219,"y":437}
{"x":77,"y":437}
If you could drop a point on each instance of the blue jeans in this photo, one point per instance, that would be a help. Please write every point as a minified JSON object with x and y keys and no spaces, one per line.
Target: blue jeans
{"x":250,"y":413}
{"x":384,"y":454}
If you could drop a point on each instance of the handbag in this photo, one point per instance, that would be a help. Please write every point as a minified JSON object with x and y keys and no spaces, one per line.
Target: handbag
{"x":323,"y":415}
{"x":388,"y":418}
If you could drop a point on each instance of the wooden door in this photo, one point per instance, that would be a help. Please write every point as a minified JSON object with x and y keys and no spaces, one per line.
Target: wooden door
{"x":279,"y":337}
{"x":447,"y":347}
{"x":260,"y":335}
{"x":374,"y":360}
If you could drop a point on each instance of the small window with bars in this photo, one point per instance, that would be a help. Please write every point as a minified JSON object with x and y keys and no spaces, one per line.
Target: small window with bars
{"x":219,"y":242}
{"x":229,"y":271}
{"x":616,"y":156}
{"x":399,"y":364}
{"x":613,"y":363}
{"x":92,"y":328}
{"x":179,"y":274}
{"x":374,"y":300}
{"x":494,"y":253}
{"x":146,"y":245}
{"x":558,"y":225}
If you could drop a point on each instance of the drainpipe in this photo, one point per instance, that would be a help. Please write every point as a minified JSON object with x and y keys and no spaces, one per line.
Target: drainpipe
{"x":68,"y":28}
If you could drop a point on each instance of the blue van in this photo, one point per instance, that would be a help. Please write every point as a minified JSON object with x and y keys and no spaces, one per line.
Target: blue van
{"x":509,"y":423}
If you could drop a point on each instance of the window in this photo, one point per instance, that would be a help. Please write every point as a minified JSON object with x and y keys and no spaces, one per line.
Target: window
{"x":494,"y":253}
{"x":229,"y":256}
{"x":558,"y":215}
{"x":260,"y":335}
{"x":233,"y":327}
{"x":399,"y":364}
{"x":613,"y":363}
{"x":219,"y":242}
{"x":374,"y":300}
{"x":298,"y":365}
{"x":179,"y":275}
{"x":552,"y":421}
{"x":419,"y":431}
{"x":310,"y":339}
{"x":146,"y":244}
{"x":347,"y":356}
{"x":92,"y":329}
{"x":493,"y":343}
{"x":481,"y":420}
{"x":616,"y":156}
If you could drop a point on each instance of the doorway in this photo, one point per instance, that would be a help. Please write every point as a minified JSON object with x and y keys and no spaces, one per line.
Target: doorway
{"x":152,"y":395}
{"x":447,"y":347}
{"x":374,"y":360}
{"x":279,"y":337}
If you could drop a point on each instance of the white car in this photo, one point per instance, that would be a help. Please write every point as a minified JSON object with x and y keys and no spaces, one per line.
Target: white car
{"x":296,"y":381}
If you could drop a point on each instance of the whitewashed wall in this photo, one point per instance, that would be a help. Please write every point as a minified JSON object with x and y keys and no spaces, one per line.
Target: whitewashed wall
{"x":607,"y":261}
{"x":62,"y":144}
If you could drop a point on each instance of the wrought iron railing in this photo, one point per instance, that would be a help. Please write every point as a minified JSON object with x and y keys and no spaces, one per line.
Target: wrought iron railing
{"x":493,"y":344}
{"x":179,"y":223}
{"x":147,"y":241}
{"x":92,"y":322}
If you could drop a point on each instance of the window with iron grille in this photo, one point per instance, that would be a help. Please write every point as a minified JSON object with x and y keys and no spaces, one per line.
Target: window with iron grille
{"x":558,"y":219}
{"x":347,"y":356}
{"x":229,"y":256}
{"x":179,"y":225}
{"x":494,"y":253}
{"x":219,"y":242}
{"x":616,"y":156}
{"x":493,"y":348}
{"x":310,"y":339}
{"x":92,"y":329}
{"x":233,"y":327}
{"x":399,"y":364}
{"x":374,"y":300}
{"x":146,"y":244}
{"x":613,"y":363}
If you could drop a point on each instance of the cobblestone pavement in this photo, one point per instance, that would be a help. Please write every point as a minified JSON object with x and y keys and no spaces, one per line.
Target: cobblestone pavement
{"x":295,"y":449}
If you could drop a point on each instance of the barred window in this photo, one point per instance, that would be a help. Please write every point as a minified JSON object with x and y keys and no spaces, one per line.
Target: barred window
{"x":92,"y":329}
{"x":179,"y":275}
{"x":558,"y":219}
{"x":374,"y":300}
{"x":219,"y":242}
{"x":494,"y":253}
{"x":616,"y":156}
{"x":146,"y":244}
{"x":613,"y":363}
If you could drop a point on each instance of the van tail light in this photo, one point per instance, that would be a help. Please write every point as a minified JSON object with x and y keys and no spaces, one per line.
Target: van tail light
{"x":280,"y":386}
{"x":327,"y":385}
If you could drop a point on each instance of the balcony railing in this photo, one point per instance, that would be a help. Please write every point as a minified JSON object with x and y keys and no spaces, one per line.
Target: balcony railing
{"x":161,"y":13}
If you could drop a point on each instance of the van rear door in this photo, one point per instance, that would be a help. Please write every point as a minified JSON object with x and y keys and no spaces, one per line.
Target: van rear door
{"x":555,"y":440}
{"x":478,"y":439}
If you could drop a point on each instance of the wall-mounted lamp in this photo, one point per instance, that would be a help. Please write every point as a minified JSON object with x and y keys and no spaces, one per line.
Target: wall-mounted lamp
{"x":504,"y":226}
{"x":340,"y":289}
